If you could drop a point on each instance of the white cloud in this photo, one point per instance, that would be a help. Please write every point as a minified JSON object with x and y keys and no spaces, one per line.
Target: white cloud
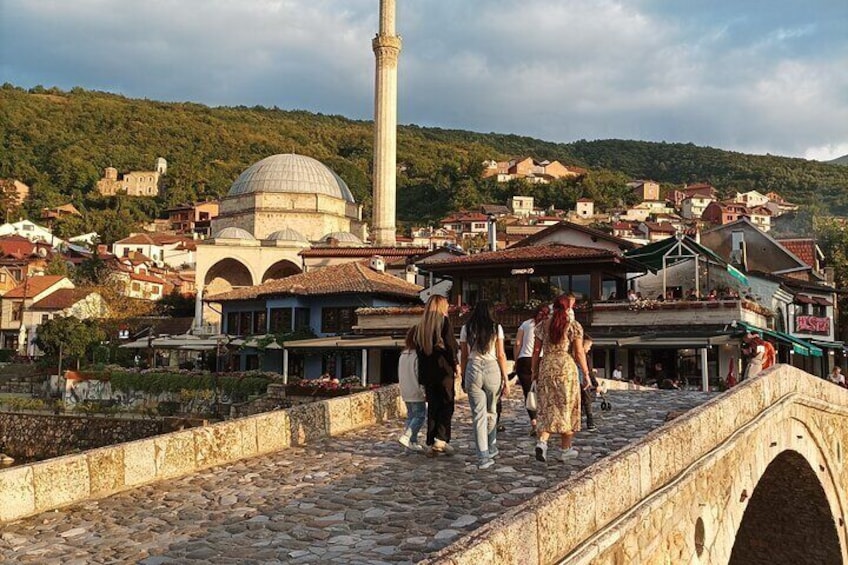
{"x":715,"y":73}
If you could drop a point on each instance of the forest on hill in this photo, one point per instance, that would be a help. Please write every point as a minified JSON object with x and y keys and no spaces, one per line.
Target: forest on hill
{"x":59,"y":142}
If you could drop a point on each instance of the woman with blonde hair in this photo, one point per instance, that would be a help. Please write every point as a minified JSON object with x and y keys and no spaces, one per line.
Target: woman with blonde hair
{"x":557,"y":386}
{"x":438,"y":367}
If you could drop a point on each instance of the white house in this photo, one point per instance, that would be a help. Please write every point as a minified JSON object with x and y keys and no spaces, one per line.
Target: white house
{"x":32,"y":232}
{"x":164,"y":249}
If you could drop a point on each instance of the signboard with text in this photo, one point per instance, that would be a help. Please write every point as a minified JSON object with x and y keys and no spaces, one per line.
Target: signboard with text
{"x":812,"y":324}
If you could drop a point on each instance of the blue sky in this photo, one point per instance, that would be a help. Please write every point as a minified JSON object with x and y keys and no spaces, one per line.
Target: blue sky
{"x":755,"y":76}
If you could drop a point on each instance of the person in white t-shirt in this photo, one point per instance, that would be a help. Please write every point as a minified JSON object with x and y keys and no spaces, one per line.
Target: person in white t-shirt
{"x":483,"y":377}
{"x":525,"y":339}
{"x":618,"y":374}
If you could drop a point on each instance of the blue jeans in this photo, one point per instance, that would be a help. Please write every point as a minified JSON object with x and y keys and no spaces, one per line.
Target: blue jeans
{"x":483,"y":385}
{"x":416,"y":412}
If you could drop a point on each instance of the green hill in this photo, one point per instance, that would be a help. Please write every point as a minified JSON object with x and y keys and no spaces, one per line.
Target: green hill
{"x":59,"y":142}
{"x":839,"y":161}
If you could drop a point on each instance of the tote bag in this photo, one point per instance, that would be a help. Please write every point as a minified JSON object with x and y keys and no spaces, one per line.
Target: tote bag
{"x":530,"y":401}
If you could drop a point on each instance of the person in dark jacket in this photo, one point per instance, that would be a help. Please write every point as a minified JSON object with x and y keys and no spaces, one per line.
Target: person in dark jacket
{"x":438,"y":368}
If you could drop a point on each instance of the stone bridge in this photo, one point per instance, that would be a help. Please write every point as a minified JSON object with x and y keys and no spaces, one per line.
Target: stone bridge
{"x":755,"y":475}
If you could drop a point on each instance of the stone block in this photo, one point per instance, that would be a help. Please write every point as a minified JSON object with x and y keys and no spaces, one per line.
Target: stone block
{"x":273,"y":431}
{"x":60,"y":481}
{"x":217,"y":444}
{"x":249,"y":447}
{"x":616,"y":485}
{"x":363,"y":409}
{"x":471,"y":552}
{"x":17,"y":493}
{"x":515,"y":538}
{"x":308,"y":423}
{"x":339,"y":419}
{"x":105,"y":471}
{"x":565,"y":518}
{"x":174,"y":454}
{"x":389,"y":403}
{"x":139,"y":462}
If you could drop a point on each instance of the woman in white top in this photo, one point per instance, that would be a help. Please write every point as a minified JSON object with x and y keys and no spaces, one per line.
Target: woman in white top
{"x":412,"y":394}
{"x":522,"y":352}
{"x":484,"y":376}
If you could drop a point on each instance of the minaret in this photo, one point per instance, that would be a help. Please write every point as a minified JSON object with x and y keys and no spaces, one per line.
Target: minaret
{"x":386,"y":50}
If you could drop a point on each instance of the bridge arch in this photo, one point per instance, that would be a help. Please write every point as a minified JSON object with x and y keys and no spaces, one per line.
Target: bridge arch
{"x":788,"y":519}
{"x":280,"y":270}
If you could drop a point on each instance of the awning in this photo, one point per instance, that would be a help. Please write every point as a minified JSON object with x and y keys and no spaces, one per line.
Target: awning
{"x":375,"y":342}
{"x":673,"y":250}
{"x":803,"y":299}
{"x":837,"y":345}
{"x":822,"y":301}
{"x":799,"y":346}
{"x":654,"y":341}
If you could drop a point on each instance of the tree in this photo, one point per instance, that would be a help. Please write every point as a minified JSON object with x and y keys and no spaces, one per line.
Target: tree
{"x":176,"y":305}
{"x":69,"y":337}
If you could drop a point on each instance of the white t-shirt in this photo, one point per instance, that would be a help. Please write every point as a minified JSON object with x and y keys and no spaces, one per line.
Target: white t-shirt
{"x":616,"y":374}
{"x":528,"y":340}
{"x":473,"y":353}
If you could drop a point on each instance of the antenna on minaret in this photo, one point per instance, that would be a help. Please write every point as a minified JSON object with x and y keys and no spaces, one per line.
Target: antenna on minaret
{"x":387,"y":46}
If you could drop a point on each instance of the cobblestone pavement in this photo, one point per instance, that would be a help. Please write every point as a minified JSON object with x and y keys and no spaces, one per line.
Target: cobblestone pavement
{"x":357,"y":498}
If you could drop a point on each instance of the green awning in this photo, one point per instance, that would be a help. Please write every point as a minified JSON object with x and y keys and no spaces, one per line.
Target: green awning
{"x":799,"y":346}
{"x":673,"y":250}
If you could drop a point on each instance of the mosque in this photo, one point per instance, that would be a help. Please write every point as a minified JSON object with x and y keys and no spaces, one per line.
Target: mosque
{"x":287,"y":203}
{"x":275,"y":209}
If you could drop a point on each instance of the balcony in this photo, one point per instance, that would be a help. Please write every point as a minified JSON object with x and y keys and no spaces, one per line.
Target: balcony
{"x":680,"y":313}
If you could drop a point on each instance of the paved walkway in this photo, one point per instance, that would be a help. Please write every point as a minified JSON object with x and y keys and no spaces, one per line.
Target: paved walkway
{"x":357,"y":498}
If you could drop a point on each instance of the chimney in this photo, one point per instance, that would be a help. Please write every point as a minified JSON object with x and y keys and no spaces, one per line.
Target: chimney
{"x":378,"y":263}
{"x":493,"y":234}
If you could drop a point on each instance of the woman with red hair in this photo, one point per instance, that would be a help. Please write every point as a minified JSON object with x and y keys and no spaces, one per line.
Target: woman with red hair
{"x":557,"y":385}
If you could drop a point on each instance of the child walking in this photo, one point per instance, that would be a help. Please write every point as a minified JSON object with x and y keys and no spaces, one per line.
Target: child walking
{"x":412,"y":394}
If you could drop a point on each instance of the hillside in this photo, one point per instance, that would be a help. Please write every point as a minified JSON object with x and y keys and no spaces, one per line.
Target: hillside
{"x":59,"y":142}
{"x":839,"y":161}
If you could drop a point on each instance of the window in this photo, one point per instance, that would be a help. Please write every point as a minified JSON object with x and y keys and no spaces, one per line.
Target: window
{"x":154,"y":289}
{"x":281,"y":320}
{"x":244,"y":323}
{"x":136,"y":287}
{"x":259,"y":322}
{"x":337,"y":320}
{"x":45,"y":317}
{"x":301,"y":319}
{"x":232,"y":323}
{"x":2,"y":277}
{"x":17,"y":311}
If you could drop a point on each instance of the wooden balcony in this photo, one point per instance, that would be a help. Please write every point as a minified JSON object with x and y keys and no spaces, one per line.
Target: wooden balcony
{"x":650,"y":313}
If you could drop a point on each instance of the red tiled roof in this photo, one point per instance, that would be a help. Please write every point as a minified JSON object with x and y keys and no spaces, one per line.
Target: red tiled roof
{"x":33,"y":286}
{"x":16,"y":246}
{"x":803,"y":248}
{"x":152,"y":239}
{"x":146,"y":278}
{"x":61,"y":299}
{"x":548,"y":252}
{"x":363,"y":251}
{"x":355,"y":277}
{"x":466,"y":217}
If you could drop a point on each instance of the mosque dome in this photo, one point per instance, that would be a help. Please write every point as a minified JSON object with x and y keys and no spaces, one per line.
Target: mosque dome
{"x":234,"y":233}
{"x":290,"y":173}
{"x":288,"y":234}
{"x":342,"y":237}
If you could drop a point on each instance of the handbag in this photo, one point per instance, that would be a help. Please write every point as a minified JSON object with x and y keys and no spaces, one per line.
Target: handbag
{"x":531,"y":402}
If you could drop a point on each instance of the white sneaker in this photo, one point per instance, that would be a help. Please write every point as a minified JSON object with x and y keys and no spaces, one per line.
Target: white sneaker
{"x":569,"y":453}
{"x":414,"y":446}
{"x":403,"y":439}
{"x":444,"y":447}
{"x":541,"y":451}
{"x":485,"y":464}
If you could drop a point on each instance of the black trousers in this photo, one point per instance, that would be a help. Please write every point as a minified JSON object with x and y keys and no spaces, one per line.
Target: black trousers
{"x":524,"y":370}
{"x":440,"y":405}
{"x":586,"y":399}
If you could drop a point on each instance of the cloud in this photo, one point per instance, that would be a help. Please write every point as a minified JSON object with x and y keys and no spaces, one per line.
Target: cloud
{"x":757,"y":77}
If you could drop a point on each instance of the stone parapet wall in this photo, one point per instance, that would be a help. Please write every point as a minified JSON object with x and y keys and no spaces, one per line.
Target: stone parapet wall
{"x":29,"y":489}
{"x":678,"y":495}
{"x":42,"y":436}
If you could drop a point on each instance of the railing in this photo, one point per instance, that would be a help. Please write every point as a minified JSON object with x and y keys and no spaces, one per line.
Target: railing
{"x":511,"y":318}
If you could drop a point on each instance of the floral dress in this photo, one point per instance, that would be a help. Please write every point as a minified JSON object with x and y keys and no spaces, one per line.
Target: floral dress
{"x":557,"y":386}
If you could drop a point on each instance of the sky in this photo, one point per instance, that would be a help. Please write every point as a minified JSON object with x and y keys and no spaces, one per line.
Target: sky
{"x":757,"y":76}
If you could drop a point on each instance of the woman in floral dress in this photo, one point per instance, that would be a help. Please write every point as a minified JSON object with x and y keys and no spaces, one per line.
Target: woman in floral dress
{"x":557,"y":386}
